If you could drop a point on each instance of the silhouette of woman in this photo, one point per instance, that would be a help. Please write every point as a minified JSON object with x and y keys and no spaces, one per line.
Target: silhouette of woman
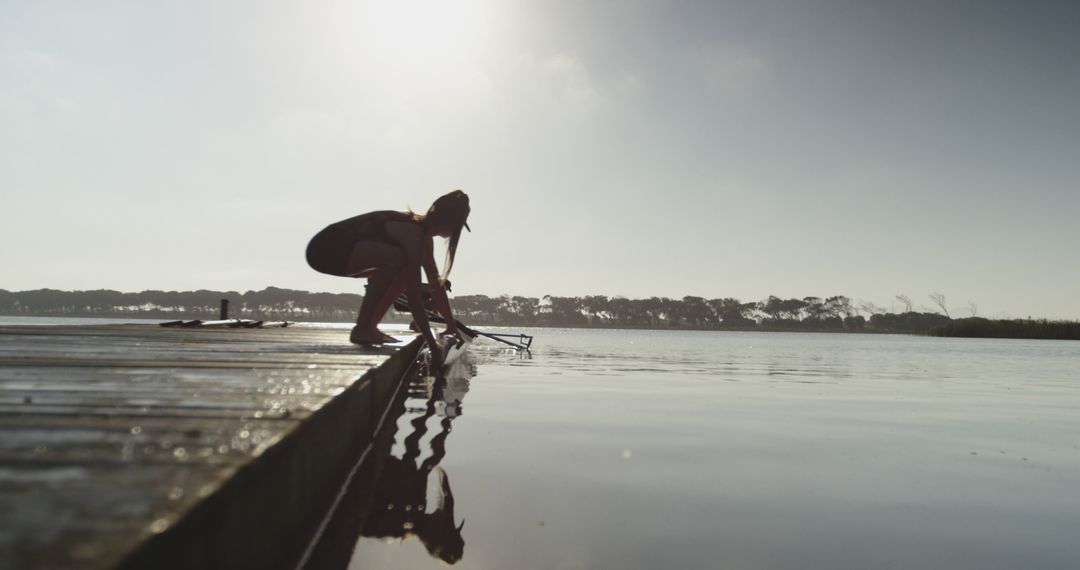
{"x":390,"y":248}
{"x":399,"y":509}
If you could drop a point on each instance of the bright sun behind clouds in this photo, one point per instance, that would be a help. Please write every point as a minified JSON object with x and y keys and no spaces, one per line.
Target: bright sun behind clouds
{"x":420,"y":64}
{"x":422,"y":37}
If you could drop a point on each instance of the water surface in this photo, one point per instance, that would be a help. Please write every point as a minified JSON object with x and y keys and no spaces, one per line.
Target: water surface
{"x":657,"y":449}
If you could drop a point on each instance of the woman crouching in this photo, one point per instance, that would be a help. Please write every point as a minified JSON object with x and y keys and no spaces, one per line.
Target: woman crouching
{"x":389,"y":248}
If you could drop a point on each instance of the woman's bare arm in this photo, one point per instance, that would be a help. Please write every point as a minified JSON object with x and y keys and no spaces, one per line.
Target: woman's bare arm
{"x":415,"y":245}
{"x":438,"y":292}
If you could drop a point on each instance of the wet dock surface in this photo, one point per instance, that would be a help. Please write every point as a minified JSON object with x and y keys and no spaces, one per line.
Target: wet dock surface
{"x":141,"y":446}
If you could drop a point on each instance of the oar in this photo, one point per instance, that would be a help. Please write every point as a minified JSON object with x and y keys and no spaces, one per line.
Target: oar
{"x":493,"y":336}
{"x":402,"y":304}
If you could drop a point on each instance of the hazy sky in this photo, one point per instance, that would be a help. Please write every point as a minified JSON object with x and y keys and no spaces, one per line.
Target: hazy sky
{"x":626,"y":147}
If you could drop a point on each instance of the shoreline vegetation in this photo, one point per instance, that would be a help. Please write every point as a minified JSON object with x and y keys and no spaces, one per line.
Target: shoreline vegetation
{"x":809,"y":314}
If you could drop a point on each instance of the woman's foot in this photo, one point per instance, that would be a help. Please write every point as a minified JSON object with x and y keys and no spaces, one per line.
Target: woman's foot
{"x":369,"y":337}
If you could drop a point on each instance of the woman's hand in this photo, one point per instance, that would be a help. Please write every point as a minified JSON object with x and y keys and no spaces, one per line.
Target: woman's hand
{"x":451,"y":333}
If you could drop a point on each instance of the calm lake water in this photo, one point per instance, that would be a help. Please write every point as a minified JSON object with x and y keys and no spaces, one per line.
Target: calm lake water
{"x":657,"y":449}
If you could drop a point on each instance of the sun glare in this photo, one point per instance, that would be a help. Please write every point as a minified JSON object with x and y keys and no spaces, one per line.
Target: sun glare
{"x":423,"y":36}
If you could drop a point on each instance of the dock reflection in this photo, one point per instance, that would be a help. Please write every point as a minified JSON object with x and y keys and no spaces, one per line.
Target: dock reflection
{"x":413,"y":496}
{"x":399,"y":491}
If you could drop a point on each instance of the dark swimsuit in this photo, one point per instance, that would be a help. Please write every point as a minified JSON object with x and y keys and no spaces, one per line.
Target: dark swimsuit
{"x":329,"y":251}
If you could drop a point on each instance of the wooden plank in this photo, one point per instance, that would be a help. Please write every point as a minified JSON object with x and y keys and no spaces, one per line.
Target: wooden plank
{"x":112,"y":436}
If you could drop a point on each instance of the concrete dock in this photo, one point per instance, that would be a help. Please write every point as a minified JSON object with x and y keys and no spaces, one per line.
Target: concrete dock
{"x":136,"y":446}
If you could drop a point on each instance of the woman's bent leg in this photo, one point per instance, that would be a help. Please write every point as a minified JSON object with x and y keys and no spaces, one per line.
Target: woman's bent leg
{"x":390,"y":295}
{"x":382,"y":264}
{"x":383,"y":284}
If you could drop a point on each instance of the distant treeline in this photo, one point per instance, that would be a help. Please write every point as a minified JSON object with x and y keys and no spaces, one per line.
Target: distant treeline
{"x":810,"y":313}
{"x":835,"y":313}
{"x":271,"y":303}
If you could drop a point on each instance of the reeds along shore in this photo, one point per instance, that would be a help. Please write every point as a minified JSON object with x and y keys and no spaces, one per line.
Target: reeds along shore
{"x":1018,"y":328}
{"x":809,"y":314}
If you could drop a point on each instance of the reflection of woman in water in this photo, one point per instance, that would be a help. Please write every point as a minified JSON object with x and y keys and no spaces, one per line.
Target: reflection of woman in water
{"x":389,"y":248}
{"x":400,"y":506}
